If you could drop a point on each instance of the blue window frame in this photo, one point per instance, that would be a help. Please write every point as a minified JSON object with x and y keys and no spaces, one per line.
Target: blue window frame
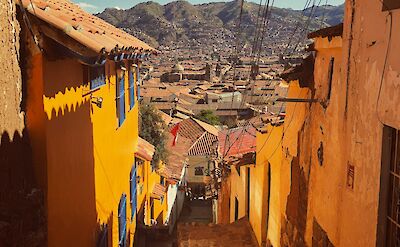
{"x":138,"y":82}
{"x":97,"y":76}
{"x":133,"y":191}
{"x":122,"y":221}
{"x":131,"y":88}
{"x":121,"y":98}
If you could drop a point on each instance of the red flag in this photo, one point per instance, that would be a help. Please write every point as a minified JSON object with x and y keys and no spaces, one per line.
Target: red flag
{"x":174,"y":132}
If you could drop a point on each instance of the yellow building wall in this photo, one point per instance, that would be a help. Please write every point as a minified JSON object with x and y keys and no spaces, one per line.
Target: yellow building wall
{"x":296,"y":115}
{"x":114,"y":149}
{"x":264,"y":217}
{"x":159,"y":207}
{"x":326,"y":127}
{"x":88,"y":158}
{"x":239,"y":191}
{"x":142,"y":187}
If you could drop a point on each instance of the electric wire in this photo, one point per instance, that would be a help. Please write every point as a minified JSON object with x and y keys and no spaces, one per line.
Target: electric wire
{"x":258,"y":45}
{"x":306,"y":6}
{"x":384,"y":67}
{"x":305,"y":30}
{"x":262,"y":27}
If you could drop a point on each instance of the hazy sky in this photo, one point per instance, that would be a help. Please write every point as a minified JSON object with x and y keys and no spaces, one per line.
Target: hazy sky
{"x":95,"y":6}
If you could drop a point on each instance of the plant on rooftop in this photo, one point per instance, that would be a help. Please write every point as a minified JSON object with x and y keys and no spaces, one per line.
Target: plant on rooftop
{"x":152,"y":128}
{"x":209,"y":117}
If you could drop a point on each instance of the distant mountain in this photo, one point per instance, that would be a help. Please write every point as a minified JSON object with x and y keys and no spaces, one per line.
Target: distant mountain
{"x":183,"y":22}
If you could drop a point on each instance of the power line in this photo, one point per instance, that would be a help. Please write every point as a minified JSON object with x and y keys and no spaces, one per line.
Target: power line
{"x":312,"y":12}
{"x":235,"y":59}
{"x":255,"y":60}
{"x":384,"y":67}
{"x":306,"y":6}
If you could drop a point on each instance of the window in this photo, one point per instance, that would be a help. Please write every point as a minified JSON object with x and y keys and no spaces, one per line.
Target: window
{"x":96,"y":76}
{"x":131,"y":88}
{"x":198,"y":171}
{"x":388,"y":232}
{"x":122,"y":221}
{"x":151,"y":209}
{"x":162,"y":180}
{"x":138,"y":82}
{"x":140,"y":163}
{"x":133,"y":191}
{"x":390,"y":5}
{"x":236,"y":209}
{"x":330,"y":76}
{"x":248,"y":192}
{"x":120,"y":100}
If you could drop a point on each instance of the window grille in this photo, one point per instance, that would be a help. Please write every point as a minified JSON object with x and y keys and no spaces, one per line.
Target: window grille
{"x":122,"y":221}
{"x":393,"y":212}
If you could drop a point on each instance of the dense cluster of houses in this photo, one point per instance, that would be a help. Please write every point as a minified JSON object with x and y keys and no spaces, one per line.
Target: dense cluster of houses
{"x":317,"y":164}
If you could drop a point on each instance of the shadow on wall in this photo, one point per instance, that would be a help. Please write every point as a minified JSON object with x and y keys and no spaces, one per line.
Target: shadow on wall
{"x":104,"y":233}
{"x":71,"y":201}
{"x":22,"y":215}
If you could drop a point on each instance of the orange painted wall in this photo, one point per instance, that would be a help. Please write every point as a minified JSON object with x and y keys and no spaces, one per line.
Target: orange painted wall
{"x":88,"y":158}
{"x":35,"y":118}
{"x":264,"y":217}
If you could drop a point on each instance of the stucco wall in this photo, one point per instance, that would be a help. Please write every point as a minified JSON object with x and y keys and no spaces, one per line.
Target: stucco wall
{"x":196,"y":161}
{"x":11,"y":118}
{"x":238,"y":186}
{"x":265,"y":203}
{"x":83,"y":158}
{"x":367,"y":110}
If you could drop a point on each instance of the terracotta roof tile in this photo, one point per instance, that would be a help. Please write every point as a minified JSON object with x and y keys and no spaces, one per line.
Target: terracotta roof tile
{"x":89,"y":30}
{"x":177,"y":159}
{"x":158,"y":191}
{"x":242,"y":140}
{"x":145,"y":150}
{"x":207,"y":127}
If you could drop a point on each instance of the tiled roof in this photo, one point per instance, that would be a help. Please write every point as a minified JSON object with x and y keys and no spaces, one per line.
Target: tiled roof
{"x":158,"y":191}
{"x":177,"y":159}
{"x":207,"y":127}
{"x":242,"y":159}
{"x":165,"y":117}
{"x":189,"y":129}
{"x":88,"y":30}
{"x":203,"y":146}
{"x":145,"y":150}
{"x":241,"y":140}
{"x":327,"y":32}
